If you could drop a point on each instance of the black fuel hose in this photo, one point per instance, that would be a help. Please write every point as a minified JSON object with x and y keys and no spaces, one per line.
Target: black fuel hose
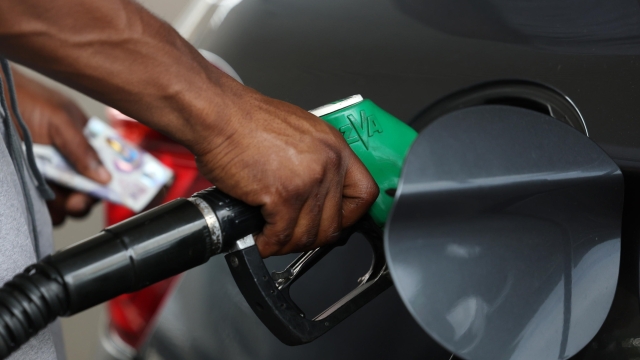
{"x":123,"y":258}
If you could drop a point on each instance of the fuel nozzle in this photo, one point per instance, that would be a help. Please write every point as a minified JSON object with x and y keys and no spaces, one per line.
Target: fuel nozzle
{"x":123,"y":258}
{"x":166,"y":241}
{"x":185,"y":233}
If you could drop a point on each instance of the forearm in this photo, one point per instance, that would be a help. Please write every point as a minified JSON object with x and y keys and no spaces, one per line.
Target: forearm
{"x":120,"y":54}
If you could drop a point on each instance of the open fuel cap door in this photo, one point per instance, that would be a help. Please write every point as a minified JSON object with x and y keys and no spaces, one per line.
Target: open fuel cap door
{"x":504,"y":240}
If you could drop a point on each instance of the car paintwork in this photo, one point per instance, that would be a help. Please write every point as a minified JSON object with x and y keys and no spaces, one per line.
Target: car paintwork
{"x":405,"y":55}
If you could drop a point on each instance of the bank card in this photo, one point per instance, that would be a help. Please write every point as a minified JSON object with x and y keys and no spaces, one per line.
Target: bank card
{"x":136,"y":175}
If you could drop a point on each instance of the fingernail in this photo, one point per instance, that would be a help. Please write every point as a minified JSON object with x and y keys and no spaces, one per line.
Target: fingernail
{"x":102,"y":174}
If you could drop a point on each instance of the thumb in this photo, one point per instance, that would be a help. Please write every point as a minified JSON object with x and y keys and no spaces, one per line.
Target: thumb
{"x":72,"y":144}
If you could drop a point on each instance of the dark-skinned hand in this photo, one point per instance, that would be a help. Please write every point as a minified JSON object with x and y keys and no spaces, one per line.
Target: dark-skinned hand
{"x":53,"y":119}
{"x":298,"y":168}
{"x":265,"y":152}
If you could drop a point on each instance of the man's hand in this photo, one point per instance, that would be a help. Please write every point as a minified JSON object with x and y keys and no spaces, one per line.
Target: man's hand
{"x":295,"y":166}
{"x":262,"y":151}
{"x":53,"y":119}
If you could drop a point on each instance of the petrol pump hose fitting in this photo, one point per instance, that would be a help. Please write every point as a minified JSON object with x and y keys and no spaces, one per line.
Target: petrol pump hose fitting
{"x":123,"y":258}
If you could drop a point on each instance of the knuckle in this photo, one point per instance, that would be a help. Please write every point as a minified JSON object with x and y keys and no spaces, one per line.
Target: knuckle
{"x":278,"y":201}
{"x":293,"y":195}
{"x":333,"y":159}
{"x":278,"y":238}
{"x":308,"y":242}
{"x":305,"y":242}
{"x":314,"y":176}
{"x":300,"y":186}
{"x":298,"y":190}
{"x":371,"y":193}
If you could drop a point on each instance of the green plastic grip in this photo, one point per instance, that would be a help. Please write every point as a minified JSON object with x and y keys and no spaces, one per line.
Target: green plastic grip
{"x":381,"y":141}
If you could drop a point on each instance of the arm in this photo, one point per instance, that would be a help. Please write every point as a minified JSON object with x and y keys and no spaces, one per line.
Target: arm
{"x":265,"y":152}
{"x":120,"y":54}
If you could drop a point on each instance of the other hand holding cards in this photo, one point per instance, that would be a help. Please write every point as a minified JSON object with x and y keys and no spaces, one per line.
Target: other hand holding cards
{"x":137,"y":176}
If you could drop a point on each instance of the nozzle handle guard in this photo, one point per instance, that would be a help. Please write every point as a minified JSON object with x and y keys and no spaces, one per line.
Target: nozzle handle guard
{"x":268,"y":294}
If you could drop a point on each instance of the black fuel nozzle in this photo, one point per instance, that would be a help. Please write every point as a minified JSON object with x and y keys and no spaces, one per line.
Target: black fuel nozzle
{"x":164,"y":242}
{"x":152,"y":246}
{"x":123,"y":258}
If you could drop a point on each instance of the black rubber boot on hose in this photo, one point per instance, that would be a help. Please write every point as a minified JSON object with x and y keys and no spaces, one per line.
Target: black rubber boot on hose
{"x":28,"y":303}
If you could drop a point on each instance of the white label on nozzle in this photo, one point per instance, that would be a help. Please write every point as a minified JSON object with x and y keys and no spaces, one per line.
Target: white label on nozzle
{"x":338,"y":105}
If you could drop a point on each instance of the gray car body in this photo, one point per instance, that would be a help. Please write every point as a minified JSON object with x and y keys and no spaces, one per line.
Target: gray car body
{"x":406,"y":55}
